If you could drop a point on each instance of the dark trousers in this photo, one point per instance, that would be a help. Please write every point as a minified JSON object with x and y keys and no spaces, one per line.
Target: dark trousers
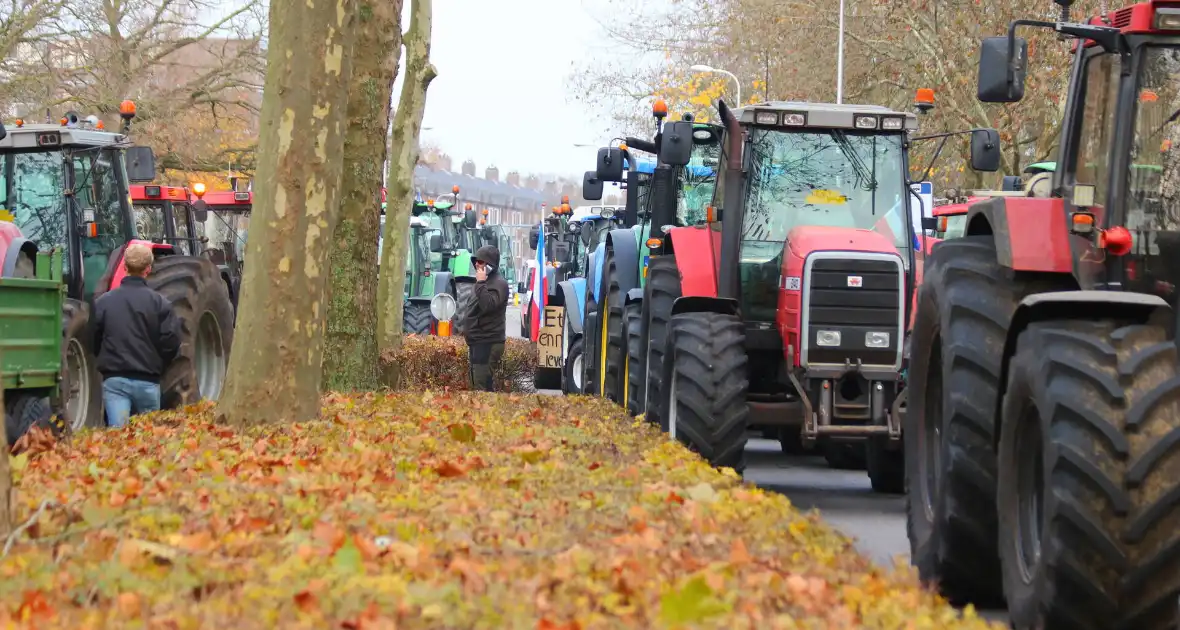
{"x":484,"y":359}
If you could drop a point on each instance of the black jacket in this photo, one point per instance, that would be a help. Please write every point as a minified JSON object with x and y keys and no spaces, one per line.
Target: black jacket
{"x":489,"y":302}
{"x":136,"y":332}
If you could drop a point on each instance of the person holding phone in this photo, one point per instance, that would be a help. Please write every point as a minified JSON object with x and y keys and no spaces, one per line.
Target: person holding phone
{"x":485,"y":319}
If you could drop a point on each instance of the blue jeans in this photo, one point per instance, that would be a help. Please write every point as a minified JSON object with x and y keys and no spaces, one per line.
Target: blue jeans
{"x":121,"y":396}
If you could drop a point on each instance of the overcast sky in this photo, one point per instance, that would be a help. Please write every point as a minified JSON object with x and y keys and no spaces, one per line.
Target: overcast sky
{"x":500,"y":95}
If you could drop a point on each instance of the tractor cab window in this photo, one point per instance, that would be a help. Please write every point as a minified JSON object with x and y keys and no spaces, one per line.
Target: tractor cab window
{"x":698,"y":181}
{"x":98,"y":189}
{"x":1153,"y":202}
{"x":149,"y":221}
{"x":33,"y":184}
{"x":184,"y":242}
{"x":1097,"y":133}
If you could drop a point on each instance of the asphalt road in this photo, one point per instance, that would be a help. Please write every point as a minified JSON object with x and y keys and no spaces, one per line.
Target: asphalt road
{"x":876,"y":522}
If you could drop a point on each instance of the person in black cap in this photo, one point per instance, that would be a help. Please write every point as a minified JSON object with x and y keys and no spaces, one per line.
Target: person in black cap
{"x":485,"y":319}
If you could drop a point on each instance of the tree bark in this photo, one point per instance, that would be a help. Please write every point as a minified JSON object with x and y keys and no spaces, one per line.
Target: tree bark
{"x":274,"y":369}
{"x":407,"y":125}
{"x":5,"y":478}
{"x":350,"y":358}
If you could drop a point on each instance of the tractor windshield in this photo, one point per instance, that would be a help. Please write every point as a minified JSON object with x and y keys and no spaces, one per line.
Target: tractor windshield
{"x":828,"y":178}
{"x":697,"y":183}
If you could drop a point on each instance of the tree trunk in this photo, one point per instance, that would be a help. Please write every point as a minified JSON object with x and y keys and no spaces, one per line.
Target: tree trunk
{"x":5,"y":478}
{"x":350,"y":358}
{"x":407,"y":124}
{"x":274,"y":369}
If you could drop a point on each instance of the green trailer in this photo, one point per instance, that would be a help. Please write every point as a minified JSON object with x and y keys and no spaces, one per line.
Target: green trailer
{"x":31,"y":357}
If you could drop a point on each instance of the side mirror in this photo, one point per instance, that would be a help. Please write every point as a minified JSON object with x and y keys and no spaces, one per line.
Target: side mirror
{"x":534,"y":236}
{"x":591,"y":186}
{"x":520,"y":288}
{"x":985,"y":150}
{"x":610,"y":165}
{"x":435,"y":243}
{"x":994,"y":86}
{"x":930,"y":223}
{"x":1011,"y":183}
{"x":469,"y":219}
{"x":141,"y":164}
{"x":561,"y":251}
{"x":200,"y":211}
{"x":676,"y":144}
{"x":3,"y":131}
{"x":587,"y":233}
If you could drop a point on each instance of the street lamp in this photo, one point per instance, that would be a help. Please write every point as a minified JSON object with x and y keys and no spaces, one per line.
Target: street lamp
{"x":703,"y":68}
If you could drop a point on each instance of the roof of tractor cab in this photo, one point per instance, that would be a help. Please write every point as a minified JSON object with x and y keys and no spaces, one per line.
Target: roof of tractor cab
{"x":29,"y":137}
{"x":830,"y":115}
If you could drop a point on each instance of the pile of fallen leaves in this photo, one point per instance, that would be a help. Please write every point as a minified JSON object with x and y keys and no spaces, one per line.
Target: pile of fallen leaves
{"x":440,"y":363}
{"x":426,"y":511}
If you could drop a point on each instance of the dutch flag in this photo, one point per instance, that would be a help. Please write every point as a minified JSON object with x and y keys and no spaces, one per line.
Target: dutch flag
{"x":540,"y":286}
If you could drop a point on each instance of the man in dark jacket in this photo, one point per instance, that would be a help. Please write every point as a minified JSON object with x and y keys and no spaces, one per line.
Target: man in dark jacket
{"x":136,"y":337}
{"x":485,"y":319}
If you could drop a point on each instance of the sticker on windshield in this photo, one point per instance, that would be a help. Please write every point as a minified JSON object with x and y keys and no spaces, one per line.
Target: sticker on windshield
{"x":792,"y":283}
{"x":826,"y":197}
{"x":855,"y":281}
{"x":7,"y":216}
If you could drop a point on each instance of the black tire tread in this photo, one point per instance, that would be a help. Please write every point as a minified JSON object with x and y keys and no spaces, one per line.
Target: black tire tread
{"x":969,"y":298}
{"x":632,"y":324}
{"x":710,"y":370}
{"x":416,"y":318}
{"x":193,"y":286}
{"x":615,"y":348}
{"x":24,"y":411}
{"x":661,"y":290}
{"x":1110,"y":396}
{"x":463,"y":292}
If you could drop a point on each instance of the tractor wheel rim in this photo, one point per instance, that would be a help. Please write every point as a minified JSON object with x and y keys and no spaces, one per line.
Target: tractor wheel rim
{"x":674,"y":390}
{"x":603,"y":344}
{"x":930,"y":435}
{"x":210,"y":357}
{"x":1030,"y":497}
{"x":577,"y":369}
{"x":78,"y":398}
{"x":623,"y":397}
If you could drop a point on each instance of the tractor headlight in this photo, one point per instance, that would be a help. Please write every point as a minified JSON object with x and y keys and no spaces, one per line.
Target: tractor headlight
{"x":827,"y":338}
{"x":607,"y":213}
{"x":876,"y":340}
{"x":866,"y":122}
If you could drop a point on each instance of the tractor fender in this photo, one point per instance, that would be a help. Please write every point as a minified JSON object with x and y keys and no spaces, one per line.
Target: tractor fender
{"x":634,"y":295}
{"x":697,"y":251}
{"x":420,"y":299}
{"x":573,"y":292}
{"x":1030,"y":233}
{"x":596,"y":271}
{"x":442,"y":282}
{"x":9,"y":257}
{"x":705,"y":304}
{"x":626,"y":251}
{"x":1069,"y":304}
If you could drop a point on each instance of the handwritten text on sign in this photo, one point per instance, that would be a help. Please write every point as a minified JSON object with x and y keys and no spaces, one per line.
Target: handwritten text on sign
{"x":549,"y":340}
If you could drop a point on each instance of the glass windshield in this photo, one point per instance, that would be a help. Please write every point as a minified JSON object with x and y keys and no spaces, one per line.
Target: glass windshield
{"x":1154,"y":202}
{"x":956,"y":226}
{"x":149,"y":221}
{"x":33,"y":184}
{"x":830,"y":178}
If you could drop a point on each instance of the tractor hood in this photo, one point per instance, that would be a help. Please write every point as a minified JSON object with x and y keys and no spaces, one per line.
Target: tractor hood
{"x":806,"y":239}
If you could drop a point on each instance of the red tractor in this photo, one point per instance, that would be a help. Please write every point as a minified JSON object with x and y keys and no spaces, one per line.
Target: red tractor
{"x":67,"y":188}
{"x":1043,"y":434}
{"x":788,"y":306}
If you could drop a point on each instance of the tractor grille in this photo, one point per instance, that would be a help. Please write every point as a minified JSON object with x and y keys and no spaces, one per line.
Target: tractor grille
{"x":853,"y":293}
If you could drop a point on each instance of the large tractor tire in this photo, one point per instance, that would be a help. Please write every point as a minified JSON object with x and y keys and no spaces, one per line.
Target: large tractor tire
{"x":206,"y":315}
{"x":965,"y":306}
{"x":573,"y":370}
{"x":886,"y":467}
{"x":23,"y":411}
{"x":661,"y":290}
{"x":613,"y":349}
{"x":632,"y":383}
{"x":590,"y":339}
{"x":844,"y":455}
{"x":706,"y":394}
{"x":79,"y":401}
{"x":416,"y":318}
{"x":1089,"y":478}
{"x":463,"y":293}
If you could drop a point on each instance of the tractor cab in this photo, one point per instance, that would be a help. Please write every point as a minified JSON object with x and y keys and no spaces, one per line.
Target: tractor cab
{"x":65,"y":186}
{"x":163,"y":214}
{"x":588,"y":227}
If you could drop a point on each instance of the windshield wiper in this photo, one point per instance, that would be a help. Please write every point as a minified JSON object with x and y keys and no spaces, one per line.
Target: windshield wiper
{"x":864,"y":175}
